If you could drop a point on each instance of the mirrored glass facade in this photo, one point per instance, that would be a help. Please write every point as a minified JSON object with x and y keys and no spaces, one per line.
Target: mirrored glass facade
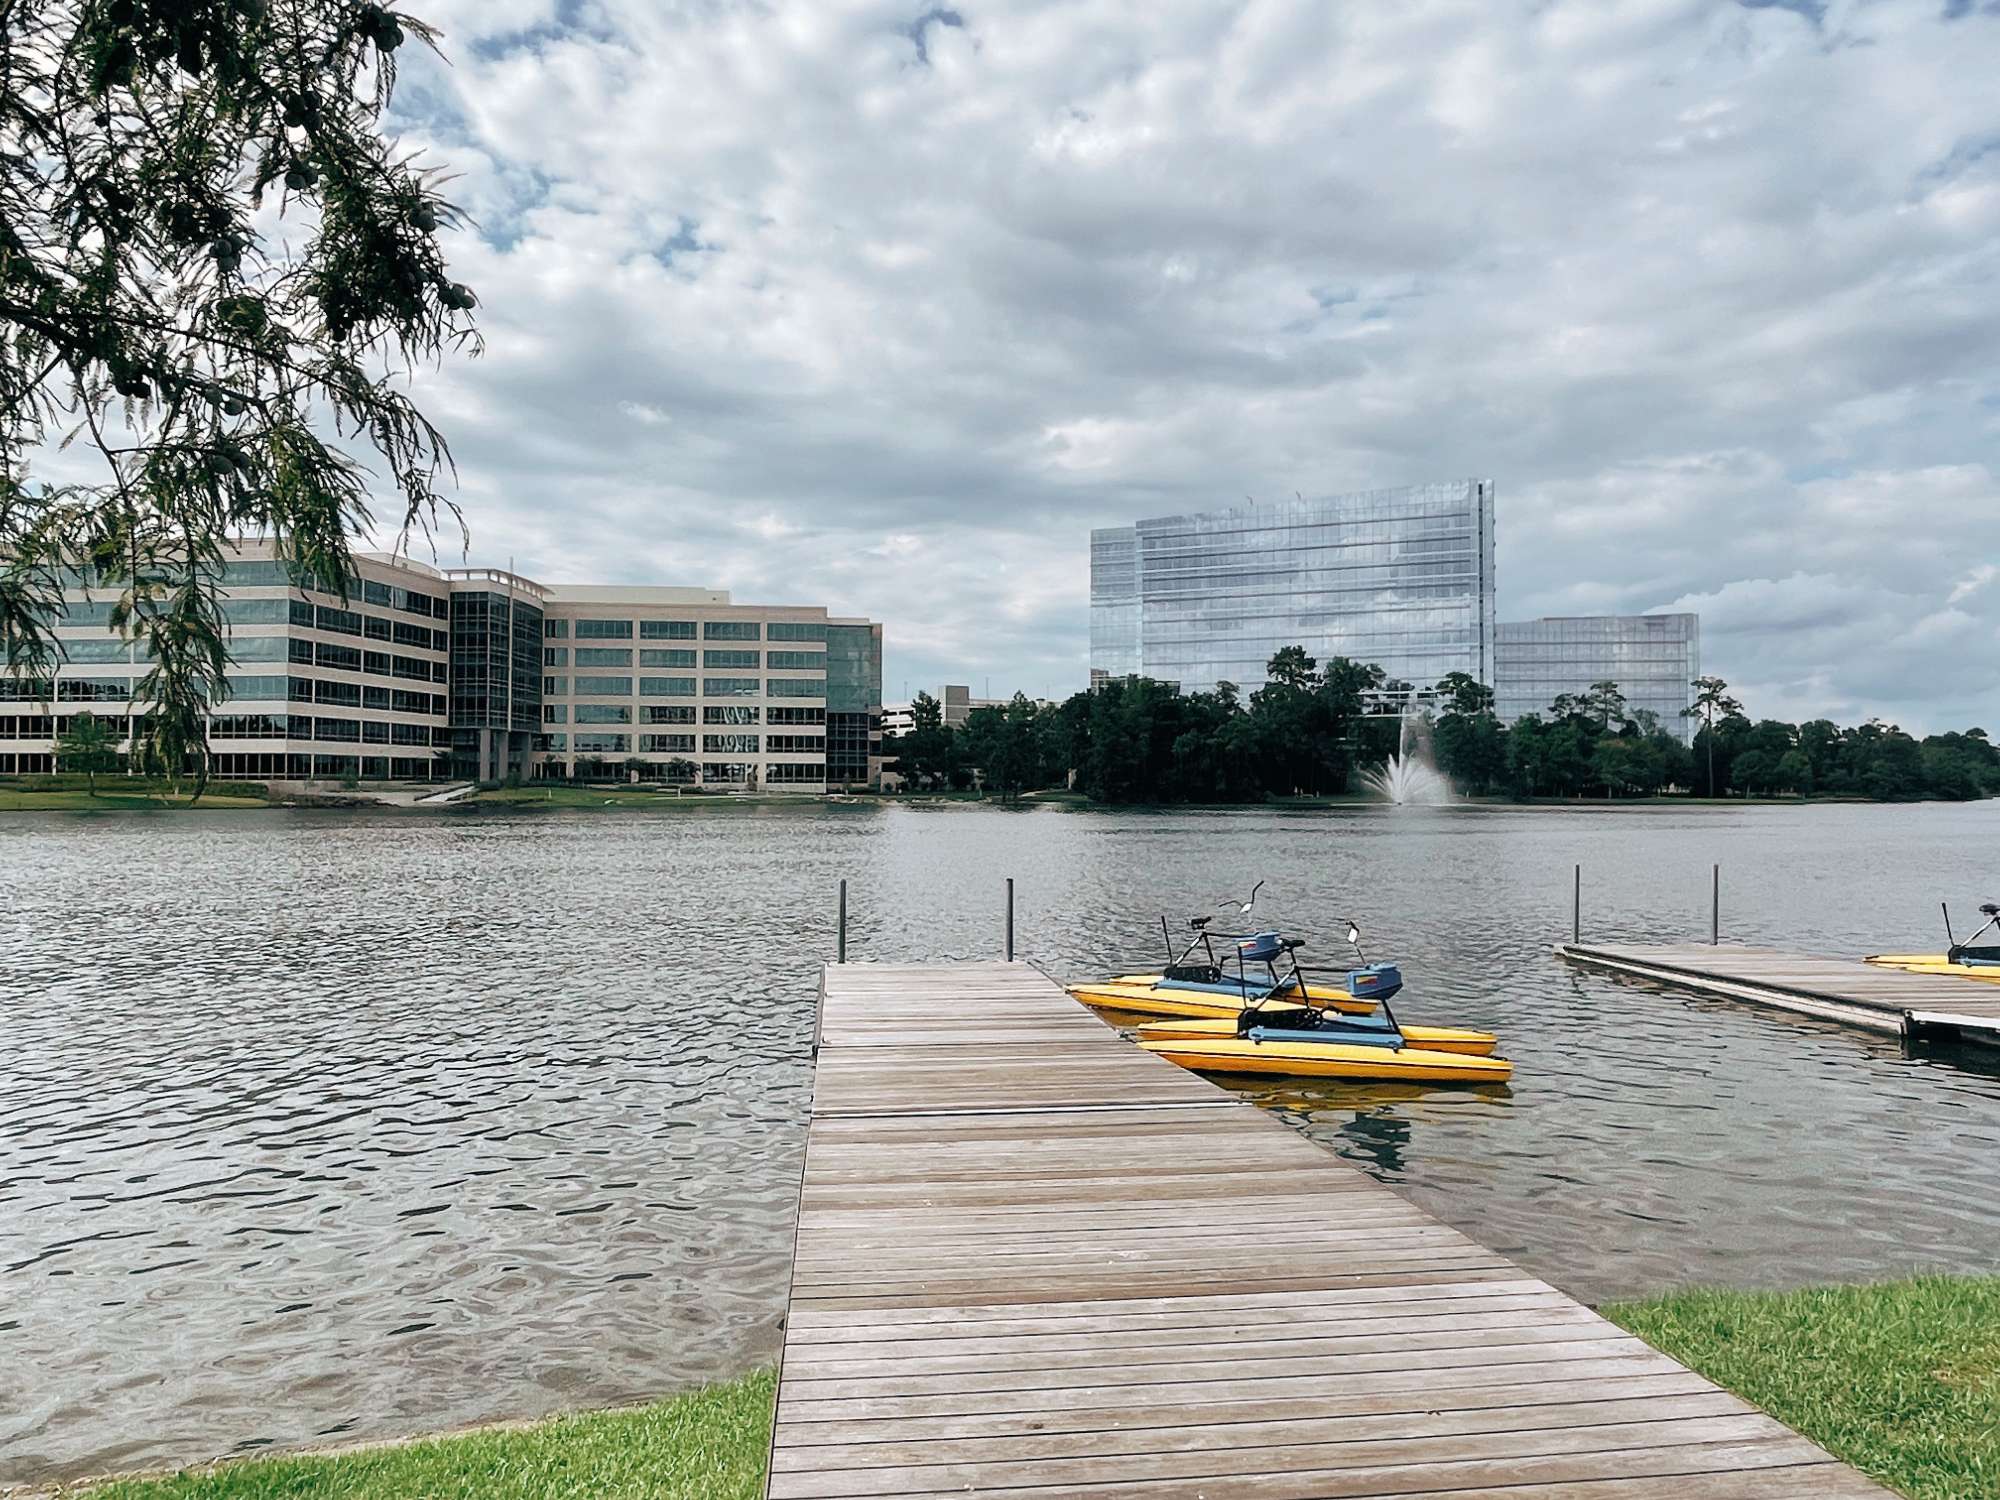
{"x":1401,"y":578}
{"x":1652,"y":658}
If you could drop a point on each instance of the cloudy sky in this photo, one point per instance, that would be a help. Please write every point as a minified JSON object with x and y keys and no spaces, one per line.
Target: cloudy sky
{"x":885,"y":305}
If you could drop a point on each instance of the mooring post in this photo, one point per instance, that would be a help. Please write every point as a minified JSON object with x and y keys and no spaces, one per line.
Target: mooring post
{"x":1576,"y":909}
{"x":841,"y":950}
{"x":1715,"y":906}
{"x":1010,"y":919}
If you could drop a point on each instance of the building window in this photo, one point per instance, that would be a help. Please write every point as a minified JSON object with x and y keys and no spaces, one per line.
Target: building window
{"x":337,"y":729}
{"x":299,"y":652}
{"x":555,"y":656}
{"x":729,"y":744}
{"x":796,"y":744}
{"x":666,"y":687}
{"x":555,"y":713}
{"x":603,"y":744}
{"x":666,"y":658}
{"x":339,"y":658}
{"x":555,"y":687}
{"x":339,"y":694}
{"x":603,"y":713}
{"x":603,"y":687}
{"x":604,"y":656}
{"x":377,"y":662}
{"x":796,"y":661}
{"x":792,"y":630}
{"x":731,"y":658}
{"x":731,"y":630}
{"x":555,"y":630}
{"x":798,"y":687}
{"x":731,"y":713}
{"x":377,"y":629}
{"x":794,"y":773}
{"x":342,"y":621}
{"x":718,"y":771}
{"x":257,"y":611}
{"x":655,"y":713}
{"x":666,"y":744}
{"x":729,"y":687}
{"x":666,"y":630}
{"x":375,"y":593}
{"x":272,"y":688}
{"x":797,"y":715}
{"x":604,"y":630}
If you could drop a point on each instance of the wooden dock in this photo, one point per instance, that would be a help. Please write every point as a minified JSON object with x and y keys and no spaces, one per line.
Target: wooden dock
{"x":1035,"y":1261}
{"x":1940,"y":1006}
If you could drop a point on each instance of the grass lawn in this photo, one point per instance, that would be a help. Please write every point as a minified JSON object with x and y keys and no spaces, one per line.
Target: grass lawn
{"x":623,"y":796}
{"x":110,"y":798}
{"x":1901,"y":1380}
{"x":709,"y":1444}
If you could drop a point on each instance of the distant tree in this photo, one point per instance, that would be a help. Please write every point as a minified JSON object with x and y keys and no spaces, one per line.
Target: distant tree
{"x":221,"y":364}
{"x":1605,"y":703}
{"x":1469,"y":740}
{"x":1002,"y":742}
{"x":1462,"y":693}
{"x":1711,"y":702}
{"x":927,"y":753}
{"x":681,"y":769}
{"x":89,"y":745}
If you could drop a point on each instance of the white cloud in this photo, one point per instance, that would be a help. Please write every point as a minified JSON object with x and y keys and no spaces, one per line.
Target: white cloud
{"x":779,"y":300}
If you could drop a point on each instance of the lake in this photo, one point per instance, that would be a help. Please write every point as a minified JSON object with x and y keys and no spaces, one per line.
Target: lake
{"x":321,"y":1126}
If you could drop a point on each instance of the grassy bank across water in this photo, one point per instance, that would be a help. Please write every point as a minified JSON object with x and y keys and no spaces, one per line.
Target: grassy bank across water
{"x":1902,"y":1379}
{"x":708,"y":1444}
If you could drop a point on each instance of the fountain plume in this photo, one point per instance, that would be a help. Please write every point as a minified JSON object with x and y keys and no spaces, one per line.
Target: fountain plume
{"x":1410,"y":775}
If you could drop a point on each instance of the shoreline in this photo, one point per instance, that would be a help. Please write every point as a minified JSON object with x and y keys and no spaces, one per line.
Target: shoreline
{"x":116,"y":797}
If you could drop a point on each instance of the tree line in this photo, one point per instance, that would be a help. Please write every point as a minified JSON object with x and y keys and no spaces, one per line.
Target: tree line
{"x":1311,"y":727}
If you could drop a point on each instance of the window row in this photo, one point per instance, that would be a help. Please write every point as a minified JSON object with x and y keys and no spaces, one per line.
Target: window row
{"x":680,"y":630}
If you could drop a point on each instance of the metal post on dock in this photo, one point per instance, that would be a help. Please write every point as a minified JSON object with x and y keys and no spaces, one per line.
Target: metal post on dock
{"x":1010,"y":919}
{"x":841,"y":952}
{"x":1715,"y":906}
{"x":1576,"y":909}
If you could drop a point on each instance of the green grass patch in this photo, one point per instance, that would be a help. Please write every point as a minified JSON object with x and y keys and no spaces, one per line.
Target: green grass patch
{"x":113,"y":798}
{"x":708,"y":1444}
{"x":1902,"y":1380}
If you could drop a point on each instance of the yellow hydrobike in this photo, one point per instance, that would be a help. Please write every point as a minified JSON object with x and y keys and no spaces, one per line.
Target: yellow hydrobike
{"x":1967,"y":960}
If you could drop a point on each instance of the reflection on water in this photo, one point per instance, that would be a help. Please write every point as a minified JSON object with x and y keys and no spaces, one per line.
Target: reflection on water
{"x":336,"y":1125}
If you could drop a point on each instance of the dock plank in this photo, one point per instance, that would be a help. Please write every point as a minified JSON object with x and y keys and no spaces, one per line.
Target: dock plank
{"x":1033,"y":1260}
{"x":1833,"y":989}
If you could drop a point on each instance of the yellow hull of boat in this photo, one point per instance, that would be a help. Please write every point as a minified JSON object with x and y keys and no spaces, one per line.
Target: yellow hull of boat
{"x":1426,"y":1038}
{"x":1934,"y":963}
{"x":1134,"y":994}
{"x":1331,"y":1060}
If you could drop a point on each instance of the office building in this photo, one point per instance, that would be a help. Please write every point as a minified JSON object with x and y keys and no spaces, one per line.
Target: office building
{"x":1654,"y":659}
{"x":424,"y":674}
{"x":1402,"y":578}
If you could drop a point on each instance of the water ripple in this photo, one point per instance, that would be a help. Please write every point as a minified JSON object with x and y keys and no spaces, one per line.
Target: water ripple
{"x":352,"y":1125}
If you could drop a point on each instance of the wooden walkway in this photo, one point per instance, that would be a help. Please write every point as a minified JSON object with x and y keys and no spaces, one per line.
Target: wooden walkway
{"x":1834,"y":989}
{"x":1034,"y":1261}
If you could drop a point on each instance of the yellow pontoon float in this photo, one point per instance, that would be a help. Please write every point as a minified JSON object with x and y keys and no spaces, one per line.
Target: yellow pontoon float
{"x":1968,"y":960}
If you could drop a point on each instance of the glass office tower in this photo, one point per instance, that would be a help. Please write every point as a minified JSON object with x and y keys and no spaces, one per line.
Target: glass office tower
{"x":1654,"y":659}
{"x":1401,"y":578}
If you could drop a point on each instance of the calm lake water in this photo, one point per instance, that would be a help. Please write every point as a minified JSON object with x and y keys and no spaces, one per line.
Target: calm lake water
{"x":322,"y":1126}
